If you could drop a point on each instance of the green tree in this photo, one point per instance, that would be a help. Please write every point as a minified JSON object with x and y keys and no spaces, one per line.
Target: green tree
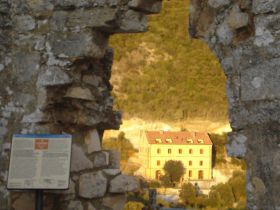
{"x":133,"y":206}
{"x":188,"y":194}
{"x":174,"y":170}
{"x":121,"y":144}
{"x":221,"y":196}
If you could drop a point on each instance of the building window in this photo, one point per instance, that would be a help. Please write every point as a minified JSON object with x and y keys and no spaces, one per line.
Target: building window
{"x":190,"y":173}
{"x":190,"y":151}
{"x":200,"y":174}
{"x":158,"y":163}
{"x":190,"y":163}
{"x":169,"y":151}
{"x":180,"y":151}
{"x":158,"y":174}
{"x":201,"y":163}
{"x":201,"y":151}
{"x":158,"y":151}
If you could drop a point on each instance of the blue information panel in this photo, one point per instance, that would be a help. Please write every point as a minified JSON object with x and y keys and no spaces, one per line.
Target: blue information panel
{"x":40,"y":161}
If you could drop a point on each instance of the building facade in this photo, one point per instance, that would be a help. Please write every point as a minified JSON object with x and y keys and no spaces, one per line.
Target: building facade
{"x":193,"y":149}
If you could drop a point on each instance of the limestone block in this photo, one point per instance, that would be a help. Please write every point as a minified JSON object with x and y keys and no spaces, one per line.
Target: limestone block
{"x":75,"y":205}
{"x":218,"y":3}
{"x":79,"y":161}
{"x":90,"y":207}
{"x":92,"y":80}
{"x":24,"y":23}
{"x":71,"y":44}
{"x":114,"y":159}
{"x":26,"y":65}
{"x":265,"y":6}
{"x":112,"y":172}
{"x":40,"y":5}
{"x":147,"y":6}
{"x":101,"y":159}
{"x":237,"y":145}
{"x":115,"y":202}
{"x":224,"y":33}
{"x":124,"y":183}
{"x":25,"y":201}
{"x":1,"y":67}
{"x":53,"y":76}
{"x":92,"y":185}
{"x":36,"y":117}
{"x":261,"y":82}
{"x":92,"y":141}
{"x":238,"y":19}
{"x":84,"y":3}
{"x":133,"y":22}
{"x":79,"y":93}
{"x":95,"y":18}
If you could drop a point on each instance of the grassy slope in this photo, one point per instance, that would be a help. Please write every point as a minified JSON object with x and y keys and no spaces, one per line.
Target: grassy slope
{"x":165,"y":75}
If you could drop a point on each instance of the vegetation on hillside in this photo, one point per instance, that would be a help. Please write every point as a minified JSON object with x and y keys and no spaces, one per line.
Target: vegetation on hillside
{"x":227,"y":196}
{"x":165,"y":75}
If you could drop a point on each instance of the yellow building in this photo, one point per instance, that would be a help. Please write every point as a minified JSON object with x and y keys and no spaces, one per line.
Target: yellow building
{"x":194,"y":149}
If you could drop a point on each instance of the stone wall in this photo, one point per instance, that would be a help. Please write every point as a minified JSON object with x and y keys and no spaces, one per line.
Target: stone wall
{"x":244,"y":34}
{"x":55,"y":67}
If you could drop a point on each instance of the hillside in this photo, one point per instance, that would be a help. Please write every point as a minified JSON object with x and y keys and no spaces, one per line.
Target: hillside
{"x":165,"y":75}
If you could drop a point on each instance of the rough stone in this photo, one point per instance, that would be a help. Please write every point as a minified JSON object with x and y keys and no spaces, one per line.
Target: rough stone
{"x":123,"y":183}
{"x":26,"y":65}
{"x":112,"y":172}
{"x":75,"y":205}
{"x":257,"y":84}
{"x":133,"y":22}
{"x":79,"y":161}
{"x":90,"y":207}
{"x":265,"y":6}
{"x":92,"y":141}
{"x":79,"y":93}
{"x":53,"y":76}
{"x":224,"y":34}
{"x":1,"y":67}
{"x":115,"y":202}
{"x":24,"y":23}
{"x":92,"y":185}
{"x":238,"y":19}
{"x":71,"y":44}
{"x":114,"y":159}
{"x":25,"y":201}
{"x":218,"y":3}
{"x":101,"y":159}
{"x":152,"y":6}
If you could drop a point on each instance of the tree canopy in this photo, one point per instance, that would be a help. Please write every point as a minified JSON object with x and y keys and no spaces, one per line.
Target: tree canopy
{"x":173,"y":171}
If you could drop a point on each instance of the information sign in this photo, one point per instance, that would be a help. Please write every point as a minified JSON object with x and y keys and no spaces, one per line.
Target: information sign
{"x":40,"y":161}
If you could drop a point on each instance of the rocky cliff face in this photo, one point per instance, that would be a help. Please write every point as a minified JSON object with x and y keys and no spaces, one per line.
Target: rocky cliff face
{"x":245,"y":37}
{"x":55,"y":66}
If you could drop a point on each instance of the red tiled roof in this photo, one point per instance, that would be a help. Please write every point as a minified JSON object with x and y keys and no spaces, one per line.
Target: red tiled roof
{"x":178,"y":137}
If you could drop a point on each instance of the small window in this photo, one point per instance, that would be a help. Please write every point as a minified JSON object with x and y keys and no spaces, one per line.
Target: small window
{"x":169,"y":151}
{"x":190,"y":151}
{"x":201,"y":151}
{"x":190,"y":173}
{"x":168,"y":140}
{"x":190,"y":163}
{"x":201,"y":163}
{"x":180,"y":151}
{"x":189,"y":141}
{"x":158,"y":140}
{"x":158,"y":151}
{"x":200,"y":141}
{"x":158,"y":163}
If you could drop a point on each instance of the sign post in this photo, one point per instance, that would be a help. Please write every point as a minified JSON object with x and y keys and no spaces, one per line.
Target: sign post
{"x":40,"y":162}
{"x":39,"y":200}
